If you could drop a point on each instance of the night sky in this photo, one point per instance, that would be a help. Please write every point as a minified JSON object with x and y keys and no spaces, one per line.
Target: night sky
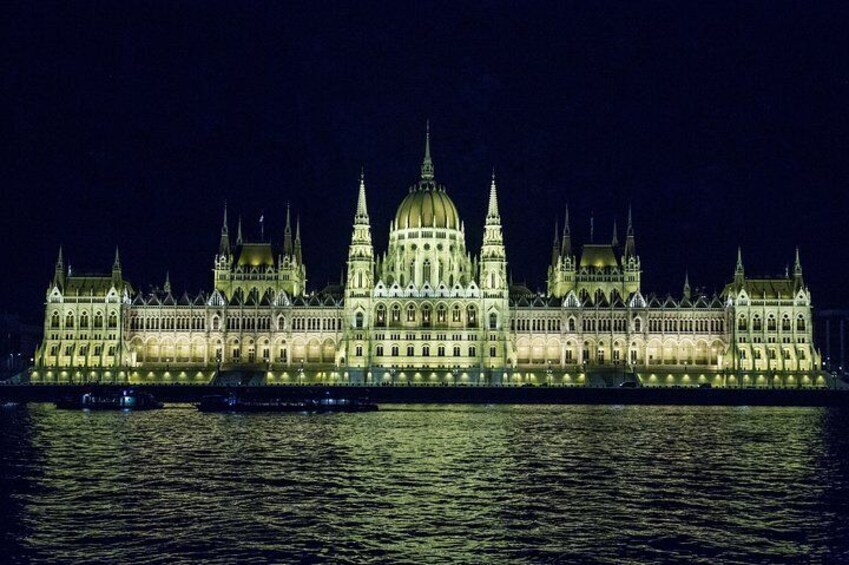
{"x":131,"y":124}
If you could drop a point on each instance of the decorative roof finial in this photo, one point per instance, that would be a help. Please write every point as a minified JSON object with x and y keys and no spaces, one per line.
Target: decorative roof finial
{"x":239,"y":232}
{"x":427,"y":164}
{"x":116,"y":264}
{"x":167,"y":286}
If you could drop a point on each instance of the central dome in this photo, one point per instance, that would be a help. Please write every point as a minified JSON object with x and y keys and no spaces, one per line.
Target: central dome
{"x":427,"y":205}
{"x":427,"y":209}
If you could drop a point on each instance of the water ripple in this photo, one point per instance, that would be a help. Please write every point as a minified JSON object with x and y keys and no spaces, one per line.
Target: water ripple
{"x":427,"y":484}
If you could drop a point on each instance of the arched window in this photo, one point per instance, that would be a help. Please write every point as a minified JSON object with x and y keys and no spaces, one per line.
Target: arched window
{"x":396,"y":313}
{"x":69,"y":321}
{"x":281,"y":323}
{"x":98,"y":320}
{"x":358,"y":320}
{"x":426,"y":315}
{"x":471,"y":317}
{"x":395,"y":351}
{"x":410,"y":351}
{"x":426,"y":271}
{"x":425,"y":351}
{"x":785,"y":323}
{"x":571,"y":324}
{"x":455,"y":317}
{"x":378,"y":351}
{"x":440,"y":314}
{"x":638,"y":325}
{"x":84,"y":320}
{"x":411,"y":313}
{"x":756,"y":323}
{"x":741,"y":324}
{"x":770,"y":323}
{"x":113,"y":321}
{"x":493,"y":320}
{"x":54,"y":320}
{"x":800,"y":324}
{"x":216,"y":323}
{"x":380,"y":316}
{"x":472,"y":351}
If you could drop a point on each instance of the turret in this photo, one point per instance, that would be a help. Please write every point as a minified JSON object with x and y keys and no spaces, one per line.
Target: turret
{"x":360,"y":253}
{"x":493,"y":273}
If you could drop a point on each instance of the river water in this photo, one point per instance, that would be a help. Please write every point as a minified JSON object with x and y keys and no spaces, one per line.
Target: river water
{"x":426,"y":484}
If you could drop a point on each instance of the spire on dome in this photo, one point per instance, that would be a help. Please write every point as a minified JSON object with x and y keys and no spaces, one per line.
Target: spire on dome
{"x":427,"y":163}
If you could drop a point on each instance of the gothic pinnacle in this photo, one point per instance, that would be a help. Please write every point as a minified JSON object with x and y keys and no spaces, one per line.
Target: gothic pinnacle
{"x":427,"y":163}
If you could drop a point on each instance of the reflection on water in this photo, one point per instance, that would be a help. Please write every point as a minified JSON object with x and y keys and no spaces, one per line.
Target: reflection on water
{"x":435,"y":484}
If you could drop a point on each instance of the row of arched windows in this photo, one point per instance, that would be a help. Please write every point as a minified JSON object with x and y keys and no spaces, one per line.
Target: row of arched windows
{"x":426,"y":316}
{"x":71,"y":321}
{"x":771,"y":323}
{"x":424,"y":351}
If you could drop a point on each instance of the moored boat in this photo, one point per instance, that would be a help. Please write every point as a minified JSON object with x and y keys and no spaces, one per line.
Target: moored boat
{"x":235,"y":403}
{"x":126,"y":400}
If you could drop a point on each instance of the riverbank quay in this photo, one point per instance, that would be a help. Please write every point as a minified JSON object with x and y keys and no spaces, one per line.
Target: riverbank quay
{"x":458,"y":394}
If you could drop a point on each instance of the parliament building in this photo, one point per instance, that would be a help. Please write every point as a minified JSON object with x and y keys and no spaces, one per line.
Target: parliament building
{"x":428,"y":311}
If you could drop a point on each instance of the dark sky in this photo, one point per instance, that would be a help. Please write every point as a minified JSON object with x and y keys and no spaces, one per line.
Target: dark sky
{"x":130,"y":124}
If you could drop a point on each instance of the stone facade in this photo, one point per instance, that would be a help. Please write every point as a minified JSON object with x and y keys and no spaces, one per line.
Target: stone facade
{"x":427,"y":311}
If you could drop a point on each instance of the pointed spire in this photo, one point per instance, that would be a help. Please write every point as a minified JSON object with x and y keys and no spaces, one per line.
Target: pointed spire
{"x":287,"y":233}
{"x":59,"y":270}
{"x":239,"y":232}
{"x":592,"y":226}
{"x":116,"y":269}
{"x":797,"y":269}
{"x":566,"y":243}
{"x":362,"y":209}
{"x":555,"y":248}
{"x":739,"y":273}
{"x":427,"y":163}
{"x":167,"y":286}
{"x":298,"y":238}
{"x":615,"y":241}
{"x":687,"y":291}
{"x":492,"y":209}
{"x":224,"y":245}
{"x":630,"y":242}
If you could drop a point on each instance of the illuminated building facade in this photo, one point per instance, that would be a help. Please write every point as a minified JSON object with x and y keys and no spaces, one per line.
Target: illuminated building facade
{"x":428,"y":312}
